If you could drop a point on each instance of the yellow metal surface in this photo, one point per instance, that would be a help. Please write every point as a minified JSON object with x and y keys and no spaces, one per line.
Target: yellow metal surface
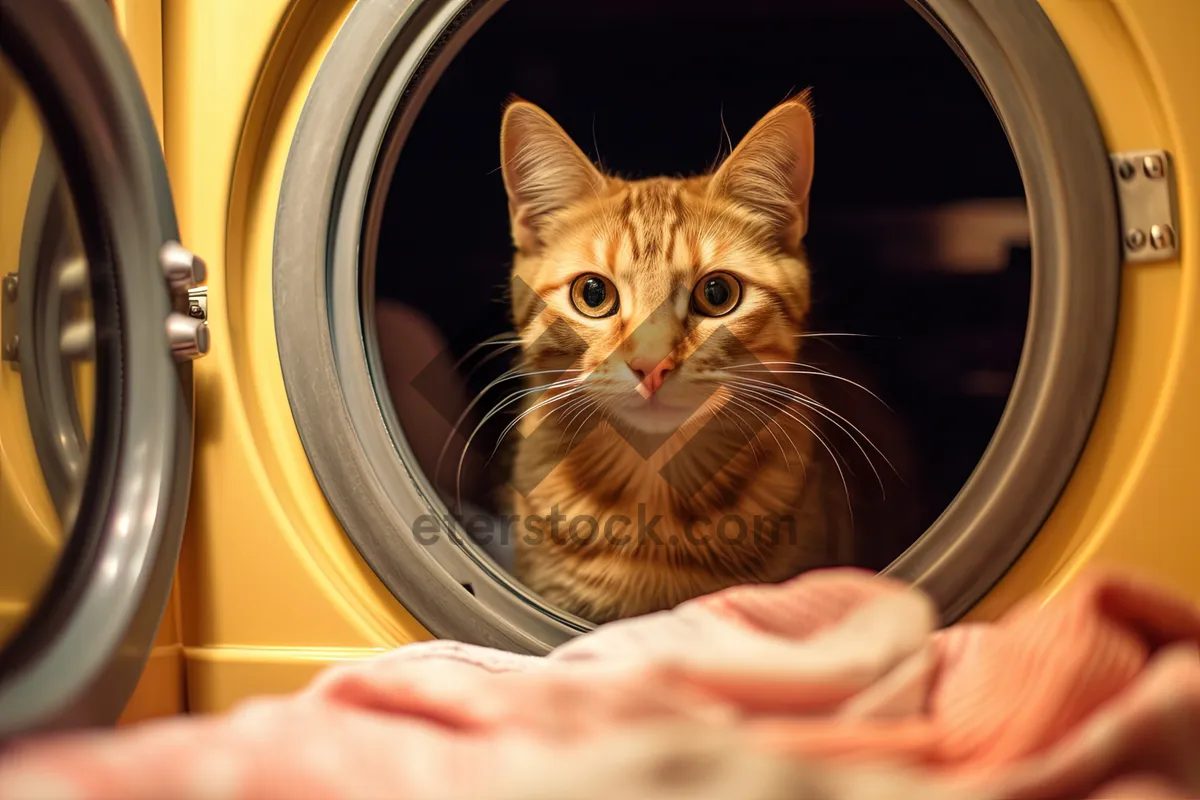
{"x":162,"y":689}
{"x":140,"y":23}
{"x":272,"y":589}
{"x":1132,"y":502}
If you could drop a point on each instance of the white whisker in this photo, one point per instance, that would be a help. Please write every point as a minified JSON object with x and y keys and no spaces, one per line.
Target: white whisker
{"x":491,"y":356}
{"x":812,"y":335}
{"x":828,"y":447}
{"x":571,"y":445}
{"x":829,"y":414}
{"x":512,"y":374}
{"x":491,"y":341}
{"x":555,"y":399}
{"x":737,"y":420}
{"x":767,"y":424}
{"x":808,"y":369}
{"x":512,"y":398}
{"x":577,"y":407}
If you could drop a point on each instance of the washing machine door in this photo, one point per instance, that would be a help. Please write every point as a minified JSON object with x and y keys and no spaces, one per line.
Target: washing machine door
{"x":100,"y":321}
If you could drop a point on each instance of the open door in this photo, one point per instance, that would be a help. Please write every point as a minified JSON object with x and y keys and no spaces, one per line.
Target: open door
{"x":99,"y":322}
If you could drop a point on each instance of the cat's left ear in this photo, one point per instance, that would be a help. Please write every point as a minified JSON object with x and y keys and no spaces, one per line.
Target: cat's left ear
{"x":770,"y":171}
{"x":544,"y":171}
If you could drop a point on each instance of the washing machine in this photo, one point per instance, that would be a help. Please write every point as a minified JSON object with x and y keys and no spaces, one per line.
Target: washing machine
{"x":191,"y":531}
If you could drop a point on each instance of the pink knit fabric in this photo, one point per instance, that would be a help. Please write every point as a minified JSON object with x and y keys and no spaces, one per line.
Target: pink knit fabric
{"x":837,"y":681}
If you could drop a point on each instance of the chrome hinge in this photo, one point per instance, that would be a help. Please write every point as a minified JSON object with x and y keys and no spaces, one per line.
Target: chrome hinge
{"x":1146,"y":201}
{"x":187,"y":326}
{"x":10,"y":341}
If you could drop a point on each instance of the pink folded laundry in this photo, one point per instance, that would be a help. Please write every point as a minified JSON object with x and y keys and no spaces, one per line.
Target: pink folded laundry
{"x":836,"y":685}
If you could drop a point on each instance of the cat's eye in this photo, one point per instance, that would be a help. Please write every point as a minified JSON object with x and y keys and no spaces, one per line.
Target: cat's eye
{"x":716,"y":294}
{"x":594,"y":296}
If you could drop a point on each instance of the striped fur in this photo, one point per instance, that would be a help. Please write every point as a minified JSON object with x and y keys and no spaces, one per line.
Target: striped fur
{"x":655,"y":239}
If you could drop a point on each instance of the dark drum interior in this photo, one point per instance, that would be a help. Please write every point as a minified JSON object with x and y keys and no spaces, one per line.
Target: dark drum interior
{"x":918,"y":236}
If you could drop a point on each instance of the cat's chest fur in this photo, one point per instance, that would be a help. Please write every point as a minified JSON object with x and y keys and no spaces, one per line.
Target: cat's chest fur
{"x":610,"y":532}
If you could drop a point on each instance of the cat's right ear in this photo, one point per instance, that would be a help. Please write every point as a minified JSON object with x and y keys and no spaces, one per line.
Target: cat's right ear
{"x":770,"y":172}
{"x":544,"y":171}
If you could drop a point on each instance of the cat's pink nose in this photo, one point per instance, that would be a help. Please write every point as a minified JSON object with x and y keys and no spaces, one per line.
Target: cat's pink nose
{"x":650,"y":374}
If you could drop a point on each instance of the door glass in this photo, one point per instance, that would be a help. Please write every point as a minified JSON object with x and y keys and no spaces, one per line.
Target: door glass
{"x":46,"y":344}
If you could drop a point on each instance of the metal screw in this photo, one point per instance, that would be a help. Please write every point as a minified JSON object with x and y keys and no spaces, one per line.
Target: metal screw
{"x":1153,"y":165}
{"x":11,"y":348}
{"x":1162,"y":237}
{"x":1126,"y":170}
{"x":195,"y":311}
{"x":1135,"y":239}
{"x":10,"y":287}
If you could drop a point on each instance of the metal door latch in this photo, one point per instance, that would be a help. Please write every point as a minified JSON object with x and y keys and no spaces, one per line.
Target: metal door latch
{"x":187,"y":326}
{"x":1146,"y":201}
{"x":198,"y":303}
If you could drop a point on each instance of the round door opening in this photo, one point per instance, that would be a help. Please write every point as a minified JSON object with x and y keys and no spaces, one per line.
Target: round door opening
{"x":862,"y":400}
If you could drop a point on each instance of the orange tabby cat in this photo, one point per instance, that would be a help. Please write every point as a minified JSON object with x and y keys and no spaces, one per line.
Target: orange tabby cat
{"x":670,"y":444}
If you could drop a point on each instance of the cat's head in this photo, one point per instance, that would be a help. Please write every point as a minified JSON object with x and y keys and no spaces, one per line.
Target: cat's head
{"x":658,"y":291}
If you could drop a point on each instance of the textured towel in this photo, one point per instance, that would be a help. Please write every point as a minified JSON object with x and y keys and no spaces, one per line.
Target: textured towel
{"x":836,"y":685}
